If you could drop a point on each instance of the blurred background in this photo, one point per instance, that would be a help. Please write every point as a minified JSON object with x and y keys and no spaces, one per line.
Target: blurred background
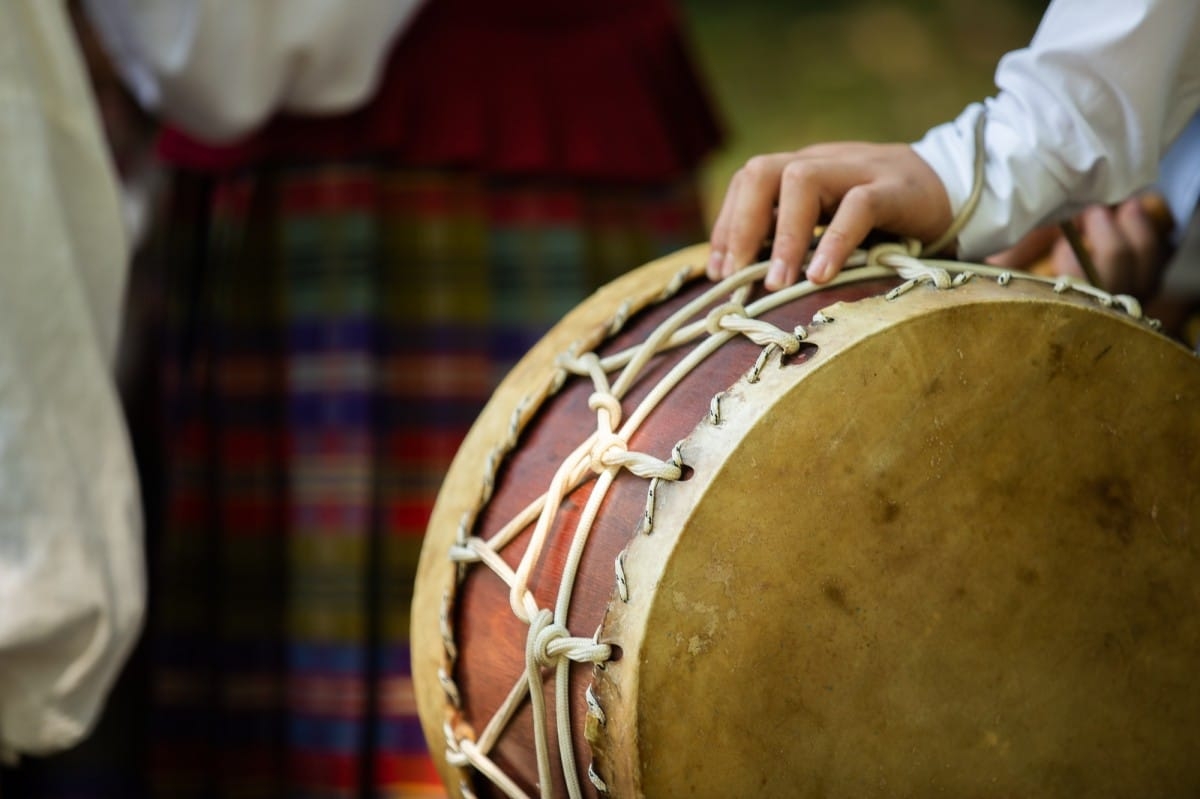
{"x":788,"y":73}
{"x":783,"y":74}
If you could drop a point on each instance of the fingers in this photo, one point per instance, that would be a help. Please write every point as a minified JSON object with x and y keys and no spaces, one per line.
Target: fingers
{"x":790,"y":191}
{"x":1111,"y":252}
{"x":860,"y":211}
{"x":864,"y":186}
{"x":1127,"y":247}
{"x":1148,"y":244}
{"x":746,"y":214}
{"x":799,"y":211}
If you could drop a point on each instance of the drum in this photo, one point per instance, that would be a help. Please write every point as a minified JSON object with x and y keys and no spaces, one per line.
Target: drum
{"x":932,"y":529}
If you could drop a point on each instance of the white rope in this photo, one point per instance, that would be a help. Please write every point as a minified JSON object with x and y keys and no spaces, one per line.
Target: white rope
{"x":464,"y":752}
{"x":979,"y":174}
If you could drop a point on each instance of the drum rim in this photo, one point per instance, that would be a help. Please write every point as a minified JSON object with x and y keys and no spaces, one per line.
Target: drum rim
{"x":510,"y":408}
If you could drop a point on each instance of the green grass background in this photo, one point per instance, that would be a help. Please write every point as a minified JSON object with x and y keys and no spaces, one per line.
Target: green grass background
{"x":788,"y":74}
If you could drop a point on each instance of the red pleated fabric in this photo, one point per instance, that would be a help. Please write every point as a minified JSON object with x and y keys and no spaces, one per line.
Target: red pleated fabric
{"x":591,"y":90}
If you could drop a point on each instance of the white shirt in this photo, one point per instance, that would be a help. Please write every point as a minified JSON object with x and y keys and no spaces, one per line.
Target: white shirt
{"x":1084,"y":114}
{"x":219,"y":68}
{"x":71,"y":573}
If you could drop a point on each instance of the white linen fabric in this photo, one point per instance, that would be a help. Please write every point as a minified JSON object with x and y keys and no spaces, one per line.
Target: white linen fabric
{"x":71,"y":565}
{"x":219,"y":68}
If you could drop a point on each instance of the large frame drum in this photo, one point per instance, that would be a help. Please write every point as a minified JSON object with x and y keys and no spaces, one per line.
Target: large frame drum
{"x":930,"y":530}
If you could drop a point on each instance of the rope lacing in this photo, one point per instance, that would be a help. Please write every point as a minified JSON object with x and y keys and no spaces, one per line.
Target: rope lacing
{"x":550,"y":646}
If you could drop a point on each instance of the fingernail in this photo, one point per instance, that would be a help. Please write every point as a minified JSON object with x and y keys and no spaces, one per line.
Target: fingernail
{"x":775,"y":274}
{"x":729,"y":267}
{"x":714,"y":264}
{"x":818,"y":268}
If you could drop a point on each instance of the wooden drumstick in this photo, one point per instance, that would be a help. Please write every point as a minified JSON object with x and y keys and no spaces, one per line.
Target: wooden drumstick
{"x":1154,"y":206}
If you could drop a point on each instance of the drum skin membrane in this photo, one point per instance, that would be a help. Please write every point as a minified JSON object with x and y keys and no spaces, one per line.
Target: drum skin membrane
{"x":950,"y":548}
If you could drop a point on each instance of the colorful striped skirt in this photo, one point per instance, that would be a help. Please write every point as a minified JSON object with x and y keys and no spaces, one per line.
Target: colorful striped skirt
{"x":332,"y":332}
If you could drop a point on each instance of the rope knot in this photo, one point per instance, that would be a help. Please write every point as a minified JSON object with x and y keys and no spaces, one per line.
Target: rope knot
{"x":543,"y":633}
{"x":549,"y":642}
{"x":712,"y":322}
{"x":609,"y":450}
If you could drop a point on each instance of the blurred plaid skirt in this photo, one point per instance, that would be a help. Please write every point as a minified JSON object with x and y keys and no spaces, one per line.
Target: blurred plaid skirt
{"x":332,"y":333}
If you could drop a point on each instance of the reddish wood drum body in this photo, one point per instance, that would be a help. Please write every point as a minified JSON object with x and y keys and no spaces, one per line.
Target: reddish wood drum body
{"x":491,"y":639}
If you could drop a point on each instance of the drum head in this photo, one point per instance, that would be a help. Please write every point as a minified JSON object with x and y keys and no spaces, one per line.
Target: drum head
{"x":958,"y":557}
{"x":951,"y":548}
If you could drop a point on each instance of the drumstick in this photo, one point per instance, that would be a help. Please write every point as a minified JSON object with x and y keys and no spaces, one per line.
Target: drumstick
{"x":1154,"y":206}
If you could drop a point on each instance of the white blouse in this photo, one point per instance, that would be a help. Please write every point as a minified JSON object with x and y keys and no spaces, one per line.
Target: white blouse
{"x":218,"y":68}
{"x":1084,"y":114}
{"x":71,"y":581}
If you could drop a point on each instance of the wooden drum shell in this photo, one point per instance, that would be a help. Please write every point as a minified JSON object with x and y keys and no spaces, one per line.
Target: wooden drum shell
{"x":949,"y":547}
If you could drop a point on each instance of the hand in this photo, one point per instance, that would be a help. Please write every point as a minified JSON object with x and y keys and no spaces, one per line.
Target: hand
{"x":1129,"y":245}
{"x":864,"y":187}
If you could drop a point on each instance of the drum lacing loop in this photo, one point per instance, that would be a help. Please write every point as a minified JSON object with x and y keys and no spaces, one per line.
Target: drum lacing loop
{"x":449,"y":688}
{"x":465,"y":753}
{"x":447,"y":631}
{"x":604,"y":402}
{"x":612,"y":450}
{"x":1004,"y":278}
{"x":914,"y":272}
{"x":454,"y":753}
{"x":1130,"y":304}
{"x":622,"y":584}
{"x":599,"y":784}
{"x":940,"y":278}
{"x":714,"y":408}
{"x":619,"y":318}
{"x":594,"y":709}
{"x":514,"y":426}
{"x":714,"y":322}
{"x":761,"y":332}
{"x":676,"y":283}
{"x":609,"y":448}
{"x":561,"y":372}
{"x":766,"y":335}
{"x":672,"y":470}
{"x":490,"y":469}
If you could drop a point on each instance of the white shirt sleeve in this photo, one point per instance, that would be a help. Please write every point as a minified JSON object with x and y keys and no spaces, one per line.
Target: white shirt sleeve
{"x":219,"y":68}
{"x":71,"y":566}
{"x":1179,"y":176}
{"x":1084,"y":114}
